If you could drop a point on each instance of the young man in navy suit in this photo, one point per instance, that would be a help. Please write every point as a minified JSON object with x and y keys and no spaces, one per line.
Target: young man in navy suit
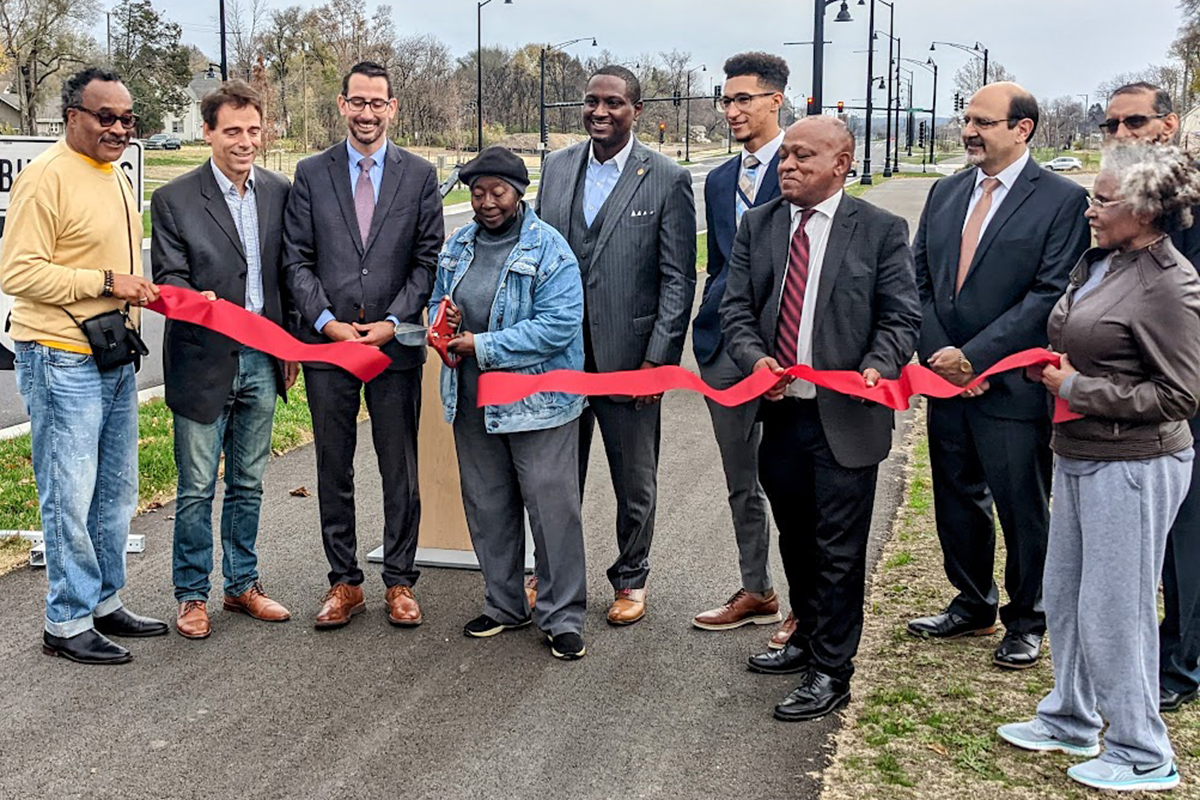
{"x":751,"y":97}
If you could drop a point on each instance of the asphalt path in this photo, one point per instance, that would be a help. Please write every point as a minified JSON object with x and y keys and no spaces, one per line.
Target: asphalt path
{"x":655,"y":710}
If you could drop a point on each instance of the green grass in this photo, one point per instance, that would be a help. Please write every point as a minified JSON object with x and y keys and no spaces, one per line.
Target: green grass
{"x":857,"y":189}
{"x":156,"y":458}
{"x":702,"y":251}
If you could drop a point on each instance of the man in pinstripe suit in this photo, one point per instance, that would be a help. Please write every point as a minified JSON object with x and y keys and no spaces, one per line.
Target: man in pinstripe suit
{"x":629,"y":216}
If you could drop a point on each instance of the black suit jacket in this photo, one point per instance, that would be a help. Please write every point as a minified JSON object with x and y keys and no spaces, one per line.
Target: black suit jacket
{"x":327,"y":265}
{"x":196,"y":245}
{"x":1019,"y":271}
{"x":867,"y":311}
{"x":720,"y":215}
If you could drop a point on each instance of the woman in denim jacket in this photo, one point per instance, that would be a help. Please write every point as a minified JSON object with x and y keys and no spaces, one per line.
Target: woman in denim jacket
{"x":517,"y":303}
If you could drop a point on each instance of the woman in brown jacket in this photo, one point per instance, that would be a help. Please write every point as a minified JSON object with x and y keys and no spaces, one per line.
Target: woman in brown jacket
{"x":1129,"y":331}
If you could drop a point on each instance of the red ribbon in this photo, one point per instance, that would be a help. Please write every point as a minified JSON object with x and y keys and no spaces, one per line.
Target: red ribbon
{"x":185,"y":305}
{"x":498,"y":388}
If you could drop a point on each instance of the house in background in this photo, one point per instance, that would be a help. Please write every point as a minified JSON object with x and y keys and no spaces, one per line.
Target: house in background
{"x":10,"y":112}
{"x":1189,"y":136}
{"x":48,"y":121}
{"x":187,"y":124}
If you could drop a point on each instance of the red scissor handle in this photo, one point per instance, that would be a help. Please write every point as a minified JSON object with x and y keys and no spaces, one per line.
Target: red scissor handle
{"x":441,"y":332}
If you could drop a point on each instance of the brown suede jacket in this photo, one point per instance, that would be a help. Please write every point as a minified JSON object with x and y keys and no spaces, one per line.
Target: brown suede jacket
{"x":1135,"y":339}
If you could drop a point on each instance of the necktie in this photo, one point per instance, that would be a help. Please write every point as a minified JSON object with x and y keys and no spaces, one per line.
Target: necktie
{"x":791,"y":304}
{"x":973,"y":232}
{"x":364,"y":198}
{"x":746,"y":185}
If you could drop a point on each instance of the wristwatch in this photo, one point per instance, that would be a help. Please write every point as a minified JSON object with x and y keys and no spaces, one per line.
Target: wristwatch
{"x":964,"y":366}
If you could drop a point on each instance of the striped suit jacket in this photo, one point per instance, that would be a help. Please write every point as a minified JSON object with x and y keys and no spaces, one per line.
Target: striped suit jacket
{"x":641,"y":279}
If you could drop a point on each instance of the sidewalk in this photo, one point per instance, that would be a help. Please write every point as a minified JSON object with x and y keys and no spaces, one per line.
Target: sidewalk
{"x":655,"y":710}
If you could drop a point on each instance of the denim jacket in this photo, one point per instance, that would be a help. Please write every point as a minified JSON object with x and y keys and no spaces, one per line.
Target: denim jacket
{"x":536,"y":323}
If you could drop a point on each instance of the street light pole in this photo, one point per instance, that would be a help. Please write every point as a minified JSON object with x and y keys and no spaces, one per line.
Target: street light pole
{"x":479,"y":72}
{"x":896,"y":151}
{"x":543,"y":134}
{"x":932,"y":66}
{"x":819,"y":7}
{"x":887,"y":141}
{"x":867,"y":178}
{"x":687,"y":125}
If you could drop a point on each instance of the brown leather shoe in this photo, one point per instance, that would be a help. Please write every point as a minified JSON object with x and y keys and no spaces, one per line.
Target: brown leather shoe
{"x":744,"y":608}
{"x":342,"y":602}
{"x":779,"y":638}
{"x":628,"y":607}
{"x":531,"y":590}
{"x":403,"y":609}
{"x":192,"y":620}
{"x":254,"y":602}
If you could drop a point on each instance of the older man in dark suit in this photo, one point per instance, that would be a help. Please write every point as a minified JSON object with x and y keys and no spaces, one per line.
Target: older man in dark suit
{"x":821,"y":278}
{"x":363,"y":230}
{"x":628,"y":215}
{"x":219,"y":230}
{"x":993,"y":253}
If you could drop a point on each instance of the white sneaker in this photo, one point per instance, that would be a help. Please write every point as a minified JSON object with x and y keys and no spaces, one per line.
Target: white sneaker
{"x":1125,"y":777}
{"x":1036,"y":735}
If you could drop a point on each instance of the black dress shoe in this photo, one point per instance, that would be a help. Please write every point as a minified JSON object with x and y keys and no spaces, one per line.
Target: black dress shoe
{"x":1173,"y":701}
{"x":88,"y":647}
{"x":779,"y":662}
{"x":817,"y":695}
{"x":949,"y":625}
{"x":123,"y":623}
{"x":1018,"y":650}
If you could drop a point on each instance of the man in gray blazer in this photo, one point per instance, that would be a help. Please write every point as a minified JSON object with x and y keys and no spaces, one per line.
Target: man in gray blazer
{"x":363,"y":230}
{"x":821,"y":278}
{"x":629,"y":216}
{"x":219,"y":230}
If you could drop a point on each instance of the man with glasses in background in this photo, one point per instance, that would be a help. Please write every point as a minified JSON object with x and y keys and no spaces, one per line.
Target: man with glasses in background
{"x":73,"y":251}
{"x":1143,"y":111}
{"x":362,"y":232}
{"x":752,"y":96}
{"x":993,"y":253}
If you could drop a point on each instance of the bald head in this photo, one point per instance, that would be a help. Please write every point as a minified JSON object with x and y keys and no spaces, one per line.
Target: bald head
{"x":814,"y":159}
{"x":997,"y":124}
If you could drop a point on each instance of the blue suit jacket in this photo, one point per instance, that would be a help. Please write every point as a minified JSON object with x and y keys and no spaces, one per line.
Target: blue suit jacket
{"x":720,"y":191}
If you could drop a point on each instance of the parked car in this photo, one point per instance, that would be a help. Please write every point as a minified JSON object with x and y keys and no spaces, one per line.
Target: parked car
{"x":1064,"y":164}
{"x":162,"y":141}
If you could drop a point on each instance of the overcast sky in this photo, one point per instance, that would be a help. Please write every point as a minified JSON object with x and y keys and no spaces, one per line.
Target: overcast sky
{"x":1054,"y":47}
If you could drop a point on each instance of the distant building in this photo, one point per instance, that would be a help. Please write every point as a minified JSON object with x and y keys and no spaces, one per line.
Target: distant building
{"x":187,"y":124}
{"x":48,"y":121}
{"x":1189,"y":136}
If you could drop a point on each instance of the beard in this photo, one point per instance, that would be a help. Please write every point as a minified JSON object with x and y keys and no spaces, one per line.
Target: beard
{"x":980,"y":155}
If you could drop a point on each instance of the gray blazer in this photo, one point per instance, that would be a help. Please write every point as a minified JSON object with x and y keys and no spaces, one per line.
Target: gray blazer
{"x":196,"y":246}
{"x":640,"y":283}
{"x":328,"y":266}
{"x":868,"y":312}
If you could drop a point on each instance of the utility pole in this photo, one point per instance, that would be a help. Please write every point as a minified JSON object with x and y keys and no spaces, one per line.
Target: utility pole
{"x":108,"y":35}
{"x":224,"y":61}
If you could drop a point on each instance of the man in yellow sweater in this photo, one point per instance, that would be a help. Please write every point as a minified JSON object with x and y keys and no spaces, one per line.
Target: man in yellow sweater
{"x":73,"y":248}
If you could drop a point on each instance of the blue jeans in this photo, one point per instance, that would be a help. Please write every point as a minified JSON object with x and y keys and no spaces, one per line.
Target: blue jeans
{"x":85,"y":429}
{"x":243,"y":430}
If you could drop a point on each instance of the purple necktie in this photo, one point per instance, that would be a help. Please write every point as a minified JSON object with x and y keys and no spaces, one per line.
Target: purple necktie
{"x":364,"y":198}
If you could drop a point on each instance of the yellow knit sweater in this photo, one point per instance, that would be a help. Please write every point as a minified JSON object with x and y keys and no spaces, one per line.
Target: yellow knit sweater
{"x":66,"y":224}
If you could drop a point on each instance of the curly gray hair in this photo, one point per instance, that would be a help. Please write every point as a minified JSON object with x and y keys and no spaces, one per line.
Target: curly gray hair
{"x":1155,"y":179}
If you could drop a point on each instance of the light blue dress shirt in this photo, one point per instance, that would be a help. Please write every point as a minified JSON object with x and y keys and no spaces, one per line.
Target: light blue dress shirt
{"x":376,"y":175}
{"x":244,"y":210}
{"x":601,"y":179}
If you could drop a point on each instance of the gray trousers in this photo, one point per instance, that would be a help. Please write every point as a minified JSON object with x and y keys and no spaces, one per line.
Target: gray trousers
{"x":503,"y":475}
{"x":631,"y":441}
{"x":1108,"y":533}
{"x":739,"y":457}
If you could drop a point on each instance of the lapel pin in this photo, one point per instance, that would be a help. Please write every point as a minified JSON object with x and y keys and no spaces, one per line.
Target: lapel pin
{"x":641,"y":171}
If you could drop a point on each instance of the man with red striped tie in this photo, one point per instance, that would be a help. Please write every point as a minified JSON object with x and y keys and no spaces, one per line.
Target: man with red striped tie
{"x":821,"y":278}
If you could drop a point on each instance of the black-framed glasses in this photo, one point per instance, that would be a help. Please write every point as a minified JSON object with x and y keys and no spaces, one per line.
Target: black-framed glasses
{"x":985,"y":124}
{"x":1133,"y":122}
{"x":107,"y":119}
{"x":743,"y":100}
{"x":359,"y":103}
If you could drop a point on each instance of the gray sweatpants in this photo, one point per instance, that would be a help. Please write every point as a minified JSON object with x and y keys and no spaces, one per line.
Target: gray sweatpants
{"x":503,"y":475}
{"x":739,"y":457}
{"x":1108,"y":532}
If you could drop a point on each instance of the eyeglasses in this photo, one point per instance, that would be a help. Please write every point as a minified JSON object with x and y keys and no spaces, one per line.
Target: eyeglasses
{"x":1100,"y":205}
{"x":359,"y":103}
{"x":742,"y":101}
{"x":1132,"y":122}
{"x":985,"y":124}
{"x":107,"y":119}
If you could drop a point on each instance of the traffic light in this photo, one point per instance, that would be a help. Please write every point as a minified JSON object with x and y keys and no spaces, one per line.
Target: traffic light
{"x":676,"y":99}
{"x":717,"y":96}
{"x":841,"y":106}
{"x":662,"y":132}
{"x":921,"y":135}
{"x":811,"y":99}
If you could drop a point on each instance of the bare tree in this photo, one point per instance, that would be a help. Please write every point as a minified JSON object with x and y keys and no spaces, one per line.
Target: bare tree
{"x":39,"y":38}
{"x":246,"y":19}
{"x":968,"y":79}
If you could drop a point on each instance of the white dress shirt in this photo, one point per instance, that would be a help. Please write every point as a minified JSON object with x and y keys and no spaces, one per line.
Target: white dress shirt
{"x":764,"y":155}
{"x":601,"y":179}
{"x":817,"y":228}
{"x":1007,"y":177}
